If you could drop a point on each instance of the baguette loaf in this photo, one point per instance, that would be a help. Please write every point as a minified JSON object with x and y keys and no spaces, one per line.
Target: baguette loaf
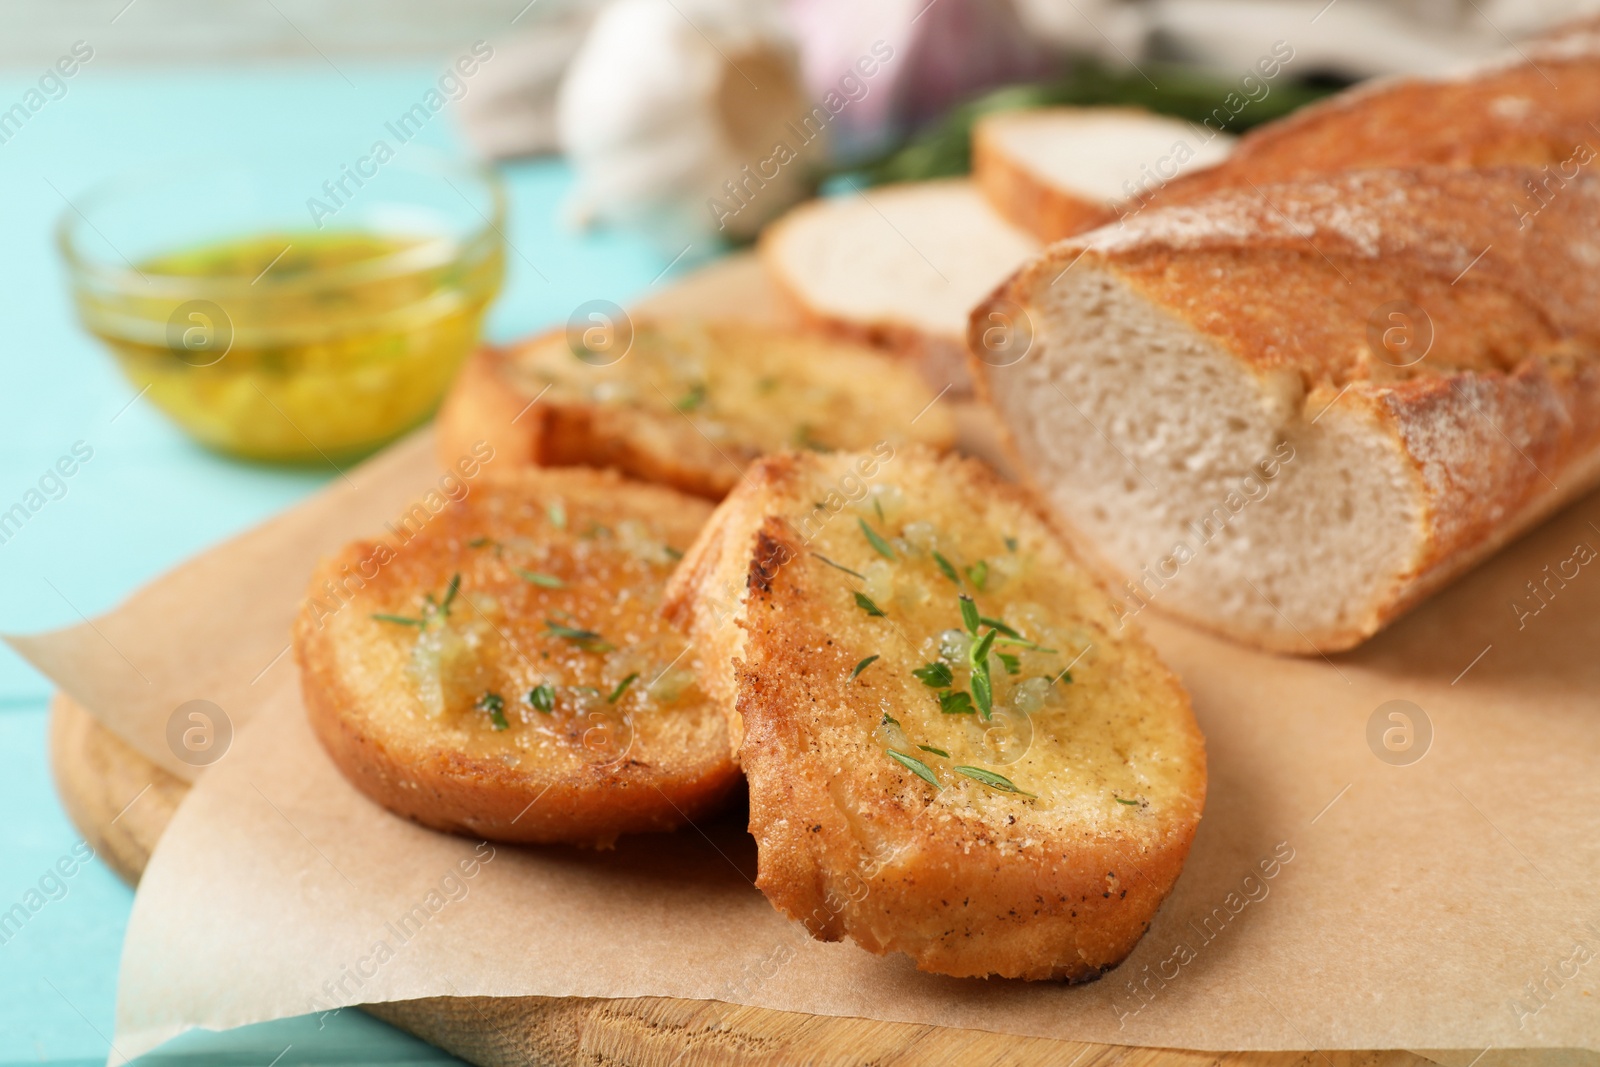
{"x":1057,"y":171}
{"x":687,"y":404}
{"x":1289,"y":412}
{"x":897,"y":267}
{"x":953,"y":751}
{"x":1535,"y":107}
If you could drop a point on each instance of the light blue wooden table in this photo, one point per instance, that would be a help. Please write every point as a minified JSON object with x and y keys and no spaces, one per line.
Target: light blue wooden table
{"x":149,"y":498}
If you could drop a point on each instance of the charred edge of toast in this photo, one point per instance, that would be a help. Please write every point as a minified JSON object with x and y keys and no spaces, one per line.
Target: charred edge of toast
{"x":772,"y":553}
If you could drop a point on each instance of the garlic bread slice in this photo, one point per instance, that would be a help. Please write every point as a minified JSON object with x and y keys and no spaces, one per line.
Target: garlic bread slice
{"x":503,"y":670}
{"x":685,"y":403}
{"x":953,"y":749}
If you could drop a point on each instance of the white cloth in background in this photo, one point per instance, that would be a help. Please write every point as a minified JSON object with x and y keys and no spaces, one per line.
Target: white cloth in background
{"x":699,"y":119}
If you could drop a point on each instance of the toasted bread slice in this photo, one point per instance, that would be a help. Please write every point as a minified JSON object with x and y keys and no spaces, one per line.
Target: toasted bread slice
{"x":897,"y":267}
{"x":1058,"y":171}
{"x":503,"y":671}
{"x":1029,"y":829}
{"x":688,"y":404}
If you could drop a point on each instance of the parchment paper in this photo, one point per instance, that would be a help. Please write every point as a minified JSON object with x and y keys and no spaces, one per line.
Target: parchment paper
{"x":1335,"y":898}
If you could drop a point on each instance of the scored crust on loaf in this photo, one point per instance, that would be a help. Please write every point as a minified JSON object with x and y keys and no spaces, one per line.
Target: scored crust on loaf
{"x":688,"y":405}
{"x":1532,"y":107}
{"x":1058,"y":171}
{"x":898,"y":267}
{"x":1062,"y":813}
{"x":542,"y":589}
{"x":1288,"y":413}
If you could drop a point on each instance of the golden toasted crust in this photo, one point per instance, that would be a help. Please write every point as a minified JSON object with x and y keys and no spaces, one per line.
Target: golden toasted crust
{"x":969,"y":879}
{"x":688,"y":405}
{"x":1505,"y":406}
{"x":480,"y":407}
{"x":415,"y":732}
{"x":1026,"y":199}
{"x":1532,"y":111}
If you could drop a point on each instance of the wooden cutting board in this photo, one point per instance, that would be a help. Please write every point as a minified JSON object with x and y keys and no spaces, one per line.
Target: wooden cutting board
{"x":98,"y":775}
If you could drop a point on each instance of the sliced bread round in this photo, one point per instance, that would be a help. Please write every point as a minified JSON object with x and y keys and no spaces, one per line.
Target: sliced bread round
{"x":953,"y":748}
{"x":1059,"y":171}
{"x":898,"y":267}
{"x":502,"y":670}
{"x":686,"y":403}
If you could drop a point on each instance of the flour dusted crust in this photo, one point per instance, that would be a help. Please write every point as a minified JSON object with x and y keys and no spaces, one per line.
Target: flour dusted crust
{"x":1284,"y":280}
{"x":1531,"y":107}
{"x":967,"y":879}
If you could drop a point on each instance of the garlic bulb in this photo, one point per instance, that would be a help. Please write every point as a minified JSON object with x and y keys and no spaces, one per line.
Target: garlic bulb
{"x":686,"y":118}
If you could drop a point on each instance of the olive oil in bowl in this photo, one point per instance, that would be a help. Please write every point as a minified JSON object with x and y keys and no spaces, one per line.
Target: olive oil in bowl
{"x":294,"y":345}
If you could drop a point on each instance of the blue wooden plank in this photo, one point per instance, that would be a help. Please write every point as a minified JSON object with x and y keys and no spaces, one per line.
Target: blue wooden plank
{"x":149,"y":497}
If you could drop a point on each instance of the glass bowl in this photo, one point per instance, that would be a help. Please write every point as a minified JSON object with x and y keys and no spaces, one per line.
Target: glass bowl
{"x":280,"y":315}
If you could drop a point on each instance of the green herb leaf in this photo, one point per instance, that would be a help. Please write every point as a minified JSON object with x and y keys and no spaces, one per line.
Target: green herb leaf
{"x":935,"y":751}
{"x":876,"y":541}
{"x":978,"y":574}
{"x":877,"y":505}
{"x":805,"y":437}
{"x":692,"y":399}
{"x":543,"y":698}
{"x":1013,"y":663}
{"x":479,"y":542}
{"x":401,"y":619}
{"x":548,"y":581}
{"x":672,"y":553}
{"x":935,"y":675}
{"x":570,"y":633}
{"x":450,"y":592}
{"x":622,"y":687}
{"x":1032,"y":646}
{"x":557,"y":513}
{"x":982,"y":683}
{"x":888,"y":720}
{"x":864,"y":602}
{"x":556,"y":629}
{"x":495,"y":705}
{"x":998,"y":624}
{"x":1067,"y":674}
{"x":1011,"y":544}
{"x":955,"y":702}
{"x":863,"y":665}
{"x":1120,"y":800}
{"x":916,"y":767}
{"x":983,"y":694}
{"x":978,"y":654}
{"x":839,"y":566}
{"x":947,"y":567}
{"x":969,"y":614}
{"x":992,"y":780}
